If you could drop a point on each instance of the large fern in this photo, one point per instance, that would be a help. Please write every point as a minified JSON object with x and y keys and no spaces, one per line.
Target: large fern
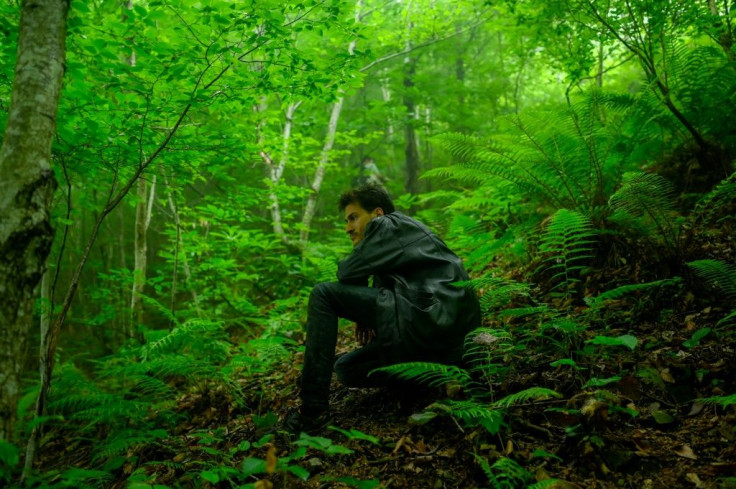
{"x":648,"y":199}
{"x":567,"y":247}
{"x":428,"y":373}
{"x":723,"y":277}
{"x":627,"y":289}
{"x":570,"y":157}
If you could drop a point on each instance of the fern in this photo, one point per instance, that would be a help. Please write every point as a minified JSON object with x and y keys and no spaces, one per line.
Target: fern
{"x":722,"y":276}
{"x":625,"y":290}
{"x":473,"y":413}
{"x":431,"y":374}
{"x":723,"y":196}
{"x":649,"y":200}
{"x":723,"y":401}
{"x":567,"y":246}
{"x":533,"y":393}
{"x":497,"y":292}
{"x":123,"y":440}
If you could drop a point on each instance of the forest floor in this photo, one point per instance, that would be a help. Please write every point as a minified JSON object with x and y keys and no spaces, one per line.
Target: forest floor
{"x":640,"y":425}
{"x":643,"y":431}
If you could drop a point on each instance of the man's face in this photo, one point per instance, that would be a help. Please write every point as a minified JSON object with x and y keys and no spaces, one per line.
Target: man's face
{"x":356,"y":219}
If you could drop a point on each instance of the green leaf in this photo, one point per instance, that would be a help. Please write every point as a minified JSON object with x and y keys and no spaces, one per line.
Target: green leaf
{"x":418,"y":419}
{"x":566,"y":361}
{"x":253,"y":466}
{"x":596,"y":382}
{"x":626,"y":340}
{"x":9,"y":454}
{"x":663,"y":417}
{"x":354,"y":434}
{"x":210,"y":476}
{"x":696,"y":337}
{"x":539,"y":453}
{"x":298,"y":471}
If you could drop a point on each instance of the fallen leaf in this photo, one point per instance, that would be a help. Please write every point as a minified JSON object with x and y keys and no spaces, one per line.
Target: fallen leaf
{"x":696,"y":408}
{"x":509,"y":447}
{"x":694,"y":479}
{"x":264,"y":484}
{"x":642,"y":447}
{"x":271,"y":459}
{"x":666,"y":375}
{"x":399,"y":444}
{"x":686,"y":452}
{"x":447,"y":452}
{"x":420,"y":447}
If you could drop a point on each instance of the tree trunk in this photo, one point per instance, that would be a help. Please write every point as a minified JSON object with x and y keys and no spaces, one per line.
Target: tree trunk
{"x":27,"y":186}
{"x":178,"y":255}
{"x":319,"y":173}
{"x":143,"y":212}
{"x":276,"y":172}
{"x":411,"y":149}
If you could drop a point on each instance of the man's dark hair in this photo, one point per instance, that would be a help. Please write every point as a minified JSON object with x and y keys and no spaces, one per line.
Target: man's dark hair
{"x":369,"y":197}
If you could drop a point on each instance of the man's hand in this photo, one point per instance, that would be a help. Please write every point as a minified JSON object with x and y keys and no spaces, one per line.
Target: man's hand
{"x":364,"y":335}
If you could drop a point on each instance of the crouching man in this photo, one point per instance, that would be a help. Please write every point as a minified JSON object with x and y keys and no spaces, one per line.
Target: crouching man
{"x":412,"y":312}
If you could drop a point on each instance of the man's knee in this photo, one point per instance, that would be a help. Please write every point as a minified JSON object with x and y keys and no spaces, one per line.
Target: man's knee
{"x":347,"y":374}
{"x":323,"y":291}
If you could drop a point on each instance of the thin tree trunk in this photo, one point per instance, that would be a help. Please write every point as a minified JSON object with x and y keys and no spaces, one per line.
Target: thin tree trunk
{"x":143,"y":212}
{"x":411,"y":148}
{"x":411,"y":145}
{"x":26,"y":187}
{"x":43,"y":350}
{"x":319,"y":173}
{"x":178,"y":255}
{"x":276,"y":172}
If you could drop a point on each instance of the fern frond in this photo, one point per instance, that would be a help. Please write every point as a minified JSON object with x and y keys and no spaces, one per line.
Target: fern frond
{"x":720,"y":274}
{"x":533,"y":393}
{"x":729,"y":317}
{"x":724,"y":194}
{"x":511,"y":472}
{"x":473,"y":413}
{"x":627,"y":289}
{"x":649,"y":198}
{"x":123,"y":440}
{"x":431,"y":374}
{"x":723,"y":401}
{"x":567,"y":244}
{"x":548,"y":483}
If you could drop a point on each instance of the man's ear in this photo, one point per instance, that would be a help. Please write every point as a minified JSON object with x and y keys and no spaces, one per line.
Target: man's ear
{"x":378,"y":211}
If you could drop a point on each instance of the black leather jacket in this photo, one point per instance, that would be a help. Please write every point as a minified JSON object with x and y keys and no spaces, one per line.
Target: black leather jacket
{"x":423,"y":316}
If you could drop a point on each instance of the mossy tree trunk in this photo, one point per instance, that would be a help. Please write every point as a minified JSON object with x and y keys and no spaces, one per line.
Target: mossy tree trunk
{"x":27,"y":186}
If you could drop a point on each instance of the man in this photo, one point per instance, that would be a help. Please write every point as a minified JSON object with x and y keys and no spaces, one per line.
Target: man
{"x":413,"y":311}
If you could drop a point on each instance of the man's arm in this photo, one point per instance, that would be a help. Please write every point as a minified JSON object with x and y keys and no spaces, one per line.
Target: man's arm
{"x":378,"y":252}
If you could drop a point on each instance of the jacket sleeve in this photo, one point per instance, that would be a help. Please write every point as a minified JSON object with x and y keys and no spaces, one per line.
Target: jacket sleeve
{"x":379,"y":252}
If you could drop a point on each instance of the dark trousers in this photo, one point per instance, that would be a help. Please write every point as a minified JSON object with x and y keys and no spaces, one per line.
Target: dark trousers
{"x":328,"y":302}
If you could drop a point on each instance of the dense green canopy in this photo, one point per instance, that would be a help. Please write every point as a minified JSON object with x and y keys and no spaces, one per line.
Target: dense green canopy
{"x":577,"y":154}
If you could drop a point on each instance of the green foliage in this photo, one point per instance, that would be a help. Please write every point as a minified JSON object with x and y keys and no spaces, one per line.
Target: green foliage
{"x":532,"y":393}
{"x":564,"y":158}
{"x":626,"y":340}
{"x":567,"y":247}
{"x":720,"y":275}
{"x":723,"y":401}
{"x":431,"y":374}
{"x":628,"y":289}
{"x":9,"y":459}
{"x":645,"y":202}
{"x":506,"y":473}
{"x":475,"y":411}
